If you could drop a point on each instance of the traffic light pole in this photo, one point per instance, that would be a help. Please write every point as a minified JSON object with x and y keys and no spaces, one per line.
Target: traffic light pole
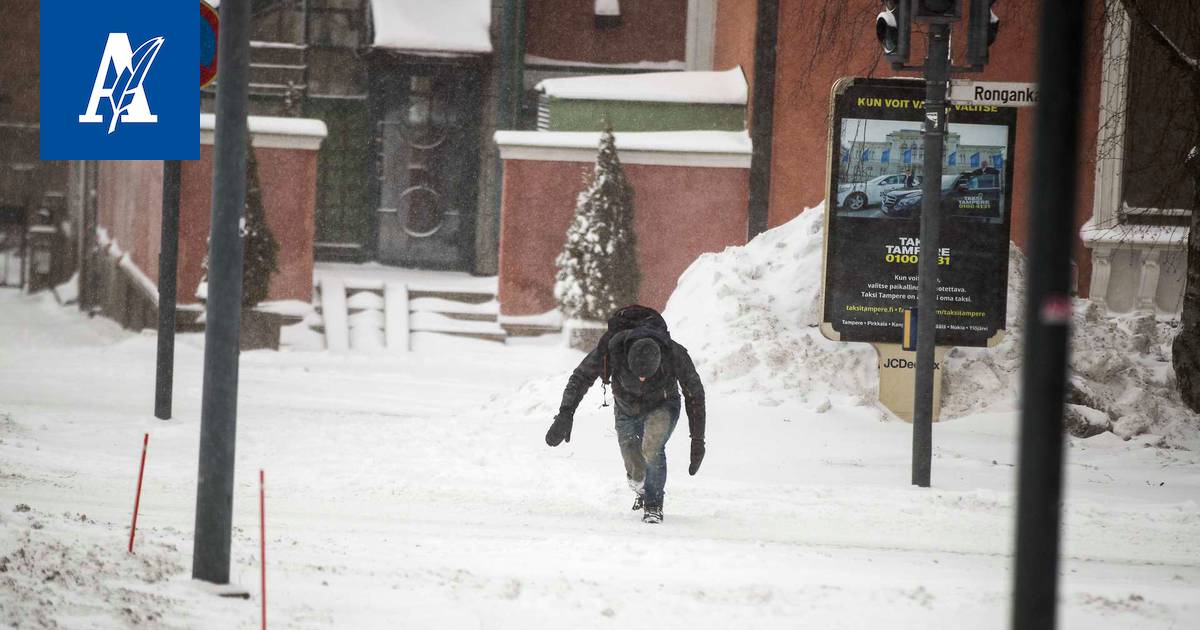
{"x":218,"y":410}
{"x":937,"y":65}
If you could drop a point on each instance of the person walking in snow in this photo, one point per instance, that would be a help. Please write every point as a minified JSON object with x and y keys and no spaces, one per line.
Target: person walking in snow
{"x":647,"y":369}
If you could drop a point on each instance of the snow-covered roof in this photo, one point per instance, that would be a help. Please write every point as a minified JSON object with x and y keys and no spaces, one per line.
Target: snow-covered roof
{"x":439,"y":26}
{"x":715,"y":87}
{"x":729,"y":149}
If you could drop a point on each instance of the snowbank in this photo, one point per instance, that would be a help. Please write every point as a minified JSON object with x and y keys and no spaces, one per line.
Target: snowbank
{"x":57,"y":570}
{"x":748,"y":316}
{"x":1121,"y":379}
{"x":68,"y":292}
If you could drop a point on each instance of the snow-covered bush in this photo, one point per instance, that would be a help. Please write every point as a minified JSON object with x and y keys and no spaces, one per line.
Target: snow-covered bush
{"x":598,"y":269}
{"x":259,"y":245}
{"x":259,"y":248}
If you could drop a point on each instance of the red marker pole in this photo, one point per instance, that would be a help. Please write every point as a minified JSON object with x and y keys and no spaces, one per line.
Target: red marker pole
{"x":262,"y":542}
{"x":137,"y":499}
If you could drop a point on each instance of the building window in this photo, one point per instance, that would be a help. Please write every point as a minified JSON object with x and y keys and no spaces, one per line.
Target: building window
{"x":337,"y":24}
{"x":608,"y":13}
{"x":1161,"y":125}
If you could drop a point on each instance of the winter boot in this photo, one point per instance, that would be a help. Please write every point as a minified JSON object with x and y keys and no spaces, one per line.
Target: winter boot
{"x":652,"y":515}
{"x":639,"y":488}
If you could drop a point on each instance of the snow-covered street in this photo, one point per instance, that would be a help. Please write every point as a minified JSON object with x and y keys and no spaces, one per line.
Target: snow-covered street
{"x":416,"y":491}
{"x":670,"y":315}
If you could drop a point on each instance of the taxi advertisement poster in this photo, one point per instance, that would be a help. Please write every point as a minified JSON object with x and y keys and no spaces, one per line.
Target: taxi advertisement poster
{"x":872,"y":240}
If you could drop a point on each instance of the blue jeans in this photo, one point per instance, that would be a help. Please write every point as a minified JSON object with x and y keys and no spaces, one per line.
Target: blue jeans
{"x":643,"y":441}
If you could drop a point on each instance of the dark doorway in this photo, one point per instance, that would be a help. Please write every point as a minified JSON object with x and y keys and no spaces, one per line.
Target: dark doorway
{"x":428,"y":117}
{"x":343,"y":216}
{"x":12,"y":246}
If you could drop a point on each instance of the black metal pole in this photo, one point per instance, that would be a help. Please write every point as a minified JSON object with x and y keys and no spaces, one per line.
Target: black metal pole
{"x":762,"y":118}
{"x":936,"y":69}
{"x":218,"y":414}
{"x":1048,"y":315}
{"x":89,"y":251}
{"x":168,"y":261}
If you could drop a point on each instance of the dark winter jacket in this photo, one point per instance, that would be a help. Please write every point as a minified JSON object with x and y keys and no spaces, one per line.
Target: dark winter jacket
{"x":632,"y":396}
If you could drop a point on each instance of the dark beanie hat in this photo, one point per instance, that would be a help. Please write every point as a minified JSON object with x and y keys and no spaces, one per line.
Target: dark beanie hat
{"x":644,"y":357}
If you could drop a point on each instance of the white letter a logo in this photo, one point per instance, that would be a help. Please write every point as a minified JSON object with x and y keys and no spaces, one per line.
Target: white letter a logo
{"x":125,"y":96}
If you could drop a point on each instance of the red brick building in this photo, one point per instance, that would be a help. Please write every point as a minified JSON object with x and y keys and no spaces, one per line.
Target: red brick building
{"x":345,"y":68}
{"x":1133,"y":202}
{"x":1130,"y":246}
{"x":27,"y":184}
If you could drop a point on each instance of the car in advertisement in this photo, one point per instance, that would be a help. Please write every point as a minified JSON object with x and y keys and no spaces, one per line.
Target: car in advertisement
{"x":973,"y":195}
{"x":859,"y":195}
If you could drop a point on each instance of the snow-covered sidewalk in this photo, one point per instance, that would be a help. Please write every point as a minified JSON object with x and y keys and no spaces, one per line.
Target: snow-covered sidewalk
{"x":416,"y":491}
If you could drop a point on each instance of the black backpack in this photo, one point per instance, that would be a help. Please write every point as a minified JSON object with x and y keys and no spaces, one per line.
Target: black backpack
{"x":629,"y":318}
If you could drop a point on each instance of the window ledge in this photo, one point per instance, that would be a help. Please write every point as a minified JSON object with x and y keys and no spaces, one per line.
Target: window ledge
{"x":1130,"y":235}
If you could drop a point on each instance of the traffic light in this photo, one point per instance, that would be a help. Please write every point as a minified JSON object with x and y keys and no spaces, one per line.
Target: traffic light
{"x":893,"y":28}
{"x":936,"y":11}
{"x":982,"y":28}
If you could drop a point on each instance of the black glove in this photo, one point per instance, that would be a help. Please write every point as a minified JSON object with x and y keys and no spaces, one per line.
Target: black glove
{"x":560,"y":430}
{"x":697,"y":455}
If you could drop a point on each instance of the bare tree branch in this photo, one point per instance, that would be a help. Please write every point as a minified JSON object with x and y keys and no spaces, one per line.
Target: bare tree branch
{"x":1177,"y":57}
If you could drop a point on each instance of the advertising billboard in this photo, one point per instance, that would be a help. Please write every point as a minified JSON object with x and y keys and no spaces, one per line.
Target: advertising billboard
{"x":874,"y":204}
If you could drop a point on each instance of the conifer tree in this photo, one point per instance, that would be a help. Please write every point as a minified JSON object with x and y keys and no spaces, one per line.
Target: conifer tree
{"x":259,"y":247}
{"x":598,"y":269}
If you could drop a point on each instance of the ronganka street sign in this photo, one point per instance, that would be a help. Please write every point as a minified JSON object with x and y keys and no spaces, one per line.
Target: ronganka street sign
{"x":970,"y":92}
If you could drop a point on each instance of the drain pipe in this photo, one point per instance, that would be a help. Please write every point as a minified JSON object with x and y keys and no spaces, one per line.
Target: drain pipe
{"x":762,"y":119}
{"x":510,"y":59}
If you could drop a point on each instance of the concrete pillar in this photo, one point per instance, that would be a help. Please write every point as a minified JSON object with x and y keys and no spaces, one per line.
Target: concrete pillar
{"x":1148,"y":282}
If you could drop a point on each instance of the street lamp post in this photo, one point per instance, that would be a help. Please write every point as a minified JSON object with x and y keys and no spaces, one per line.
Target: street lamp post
{"x":218,"y":415}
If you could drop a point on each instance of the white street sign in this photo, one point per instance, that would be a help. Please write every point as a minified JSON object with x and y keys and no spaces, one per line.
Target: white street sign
{"x":970,"y":92}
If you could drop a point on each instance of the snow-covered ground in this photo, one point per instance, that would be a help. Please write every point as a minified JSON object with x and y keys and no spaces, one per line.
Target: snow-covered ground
{"x":416,"y":490}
